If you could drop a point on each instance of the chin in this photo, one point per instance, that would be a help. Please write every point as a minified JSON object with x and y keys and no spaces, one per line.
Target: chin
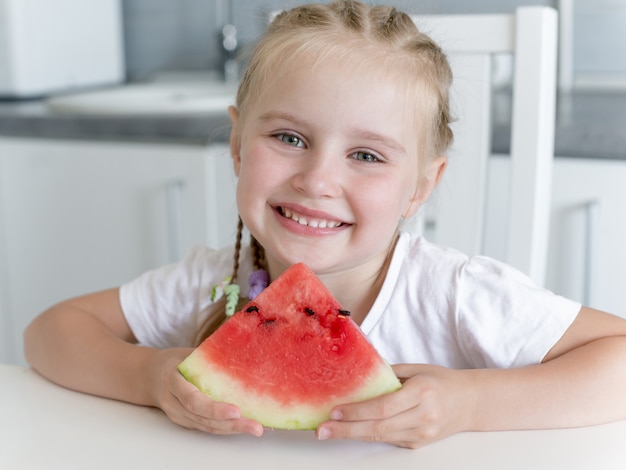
{"x":317,"y":260}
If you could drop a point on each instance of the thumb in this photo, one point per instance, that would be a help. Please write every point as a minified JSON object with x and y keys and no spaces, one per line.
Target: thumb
{"x":406,"y":371}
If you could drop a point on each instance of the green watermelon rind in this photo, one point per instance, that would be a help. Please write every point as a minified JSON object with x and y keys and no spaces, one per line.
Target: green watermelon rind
{"x":269,"y":412}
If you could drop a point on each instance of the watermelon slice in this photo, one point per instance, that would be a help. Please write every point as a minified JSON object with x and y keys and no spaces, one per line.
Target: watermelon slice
{"x":289,"y":356}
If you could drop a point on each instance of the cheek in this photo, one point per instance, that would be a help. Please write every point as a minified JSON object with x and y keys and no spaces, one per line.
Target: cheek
{"x":393,"y":195}
{"x":377,"y":207}
{"x":255,"y":160}
{"x":250,"y":186}
{"x":256,"y":179}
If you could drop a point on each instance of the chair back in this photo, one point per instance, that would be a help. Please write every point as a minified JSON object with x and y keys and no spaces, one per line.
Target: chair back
{"x":457,"y":211}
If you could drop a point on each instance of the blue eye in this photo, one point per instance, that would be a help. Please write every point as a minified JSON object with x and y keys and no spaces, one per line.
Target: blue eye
{"x":291,"y":139}
{"x":365,"y":157}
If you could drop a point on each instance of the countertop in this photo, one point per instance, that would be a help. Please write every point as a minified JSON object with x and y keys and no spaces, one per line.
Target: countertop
{"x":33,"y":119}
{"x":590,"y":124}
{"x":44,"y":426}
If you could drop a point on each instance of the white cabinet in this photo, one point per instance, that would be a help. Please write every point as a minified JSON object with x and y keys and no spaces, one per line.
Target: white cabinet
{"x":587,"y":248}
{"x":76,"y":217}
{"x":587,"y":242}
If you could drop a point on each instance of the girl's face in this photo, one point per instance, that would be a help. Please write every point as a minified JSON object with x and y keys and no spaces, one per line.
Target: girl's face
{"x":327,"y":161}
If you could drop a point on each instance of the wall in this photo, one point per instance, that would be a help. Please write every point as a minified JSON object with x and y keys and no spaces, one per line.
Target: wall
{"x":183,"y":34}
{"x":169,"y":34}
{"x":602,"y":53}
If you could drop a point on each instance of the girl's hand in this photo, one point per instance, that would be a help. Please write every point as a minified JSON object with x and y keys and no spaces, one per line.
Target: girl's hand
{"x":187,"y":406}
{"x":434,"y":402}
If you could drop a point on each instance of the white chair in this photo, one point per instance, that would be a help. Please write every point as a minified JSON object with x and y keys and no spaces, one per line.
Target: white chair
{"x":459,"y":203}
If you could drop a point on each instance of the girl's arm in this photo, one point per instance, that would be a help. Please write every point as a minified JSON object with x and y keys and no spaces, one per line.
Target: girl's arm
{"x":86,"y":344}
{"x":581,"y":381}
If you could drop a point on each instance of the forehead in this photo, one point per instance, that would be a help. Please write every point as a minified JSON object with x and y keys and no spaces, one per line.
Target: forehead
{"x":380,"y":78}
{"x":337,"y":94}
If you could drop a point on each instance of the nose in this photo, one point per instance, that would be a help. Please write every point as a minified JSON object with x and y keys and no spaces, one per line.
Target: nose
{"x":320,"y":175}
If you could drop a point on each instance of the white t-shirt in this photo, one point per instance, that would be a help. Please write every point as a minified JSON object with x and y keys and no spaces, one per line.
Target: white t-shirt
{"x":436,"y":306}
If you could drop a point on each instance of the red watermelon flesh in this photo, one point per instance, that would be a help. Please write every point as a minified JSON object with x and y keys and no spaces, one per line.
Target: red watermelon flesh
{"x":289,"y":356}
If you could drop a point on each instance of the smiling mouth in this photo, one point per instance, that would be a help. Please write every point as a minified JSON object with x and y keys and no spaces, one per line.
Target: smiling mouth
{"x":308,"y":221}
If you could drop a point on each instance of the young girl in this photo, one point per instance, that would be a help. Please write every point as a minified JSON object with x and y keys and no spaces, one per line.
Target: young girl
{"x":339,"y":134}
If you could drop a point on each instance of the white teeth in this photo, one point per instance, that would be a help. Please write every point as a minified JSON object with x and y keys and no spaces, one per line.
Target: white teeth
{"x":315,"y":223}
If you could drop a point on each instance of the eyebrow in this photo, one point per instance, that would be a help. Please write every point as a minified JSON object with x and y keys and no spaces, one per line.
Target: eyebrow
{"x":373,"y":136}
{"x":272,"y":115}
{"x":360,"y":133}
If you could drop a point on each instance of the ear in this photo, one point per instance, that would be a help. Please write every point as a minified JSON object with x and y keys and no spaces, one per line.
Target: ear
{"x":432,"y":176}
{"x":235,"y":139}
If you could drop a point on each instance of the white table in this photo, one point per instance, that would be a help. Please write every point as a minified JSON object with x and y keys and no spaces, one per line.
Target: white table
{"x":44,"y":426}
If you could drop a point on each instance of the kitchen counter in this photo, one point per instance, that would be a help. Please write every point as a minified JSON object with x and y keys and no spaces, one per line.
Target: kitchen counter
{"x":33,"y":119}
{"x":589,"y":125}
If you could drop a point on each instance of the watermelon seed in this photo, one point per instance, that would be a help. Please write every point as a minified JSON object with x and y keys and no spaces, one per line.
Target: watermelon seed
{"x":252,"y":308}
{"x":268,"y":322}
{"x":309,"y":311}
{"x":344,"y":312}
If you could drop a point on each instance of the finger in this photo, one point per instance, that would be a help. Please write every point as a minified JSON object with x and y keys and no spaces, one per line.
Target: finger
{"x":199,"y":411}
{"x":402,"y":438}
{"x":220,"y":426}
{"x":233,"y":426}
{"x":383,"y":406}
{"x":399,"y":430}
{"x":406,"y":371}
{"x":225,"y":426}
{"x":203,"y":406}
{"x":196,"y":402}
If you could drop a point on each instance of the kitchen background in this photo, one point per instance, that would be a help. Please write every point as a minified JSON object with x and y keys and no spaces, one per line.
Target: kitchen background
{"x":168,"y":34}
{"x":97,"y":190}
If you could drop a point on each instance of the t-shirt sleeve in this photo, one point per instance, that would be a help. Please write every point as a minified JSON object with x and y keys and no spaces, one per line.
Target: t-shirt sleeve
{"x":503,"y":319}
{"x":165,"y":307}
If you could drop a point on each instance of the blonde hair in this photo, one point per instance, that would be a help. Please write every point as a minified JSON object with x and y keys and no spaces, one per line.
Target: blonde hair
{"x":338,"y":29}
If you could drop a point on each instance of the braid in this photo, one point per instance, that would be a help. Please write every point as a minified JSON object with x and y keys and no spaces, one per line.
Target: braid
{"x":258,"y":254}
{"x":237,"y":250}
{"x":217,"y":312}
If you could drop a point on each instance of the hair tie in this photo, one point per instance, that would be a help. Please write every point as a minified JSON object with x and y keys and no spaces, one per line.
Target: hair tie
{"x":258,"y":281}
{"x":230,"y":291}
{"x":218,"y":289}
